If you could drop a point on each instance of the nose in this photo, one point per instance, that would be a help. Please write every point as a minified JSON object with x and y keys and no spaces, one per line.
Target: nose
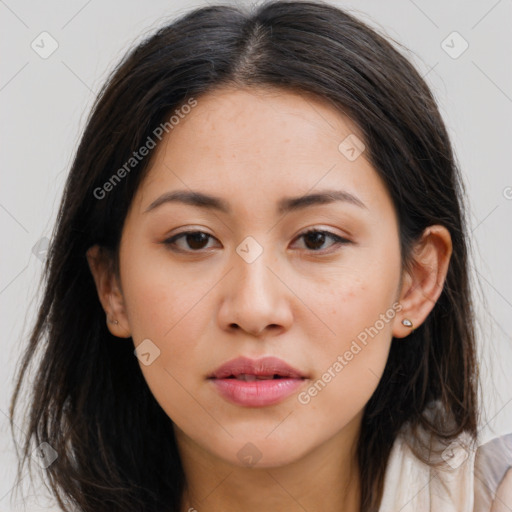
{"x":255,"y":298}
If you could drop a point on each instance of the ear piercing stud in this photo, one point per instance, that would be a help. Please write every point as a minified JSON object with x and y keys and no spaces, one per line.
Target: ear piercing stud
{"x":407,"y":323}
{"x":115,"y":322}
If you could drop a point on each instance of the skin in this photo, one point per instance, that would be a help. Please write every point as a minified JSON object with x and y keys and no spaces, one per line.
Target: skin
{"x":503,"y":499}
{"x":252,"y":147}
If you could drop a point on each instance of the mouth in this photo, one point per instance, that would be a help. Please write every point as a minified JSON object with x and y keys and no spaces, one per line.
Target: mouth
{"x":266,"y":368}
{"x":256,"y":383}
{"x":248,"y":377}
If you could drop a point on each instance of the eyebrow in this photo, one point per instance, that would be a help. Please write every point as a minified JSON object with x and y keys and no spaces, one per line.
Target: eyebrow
{"x":285,"y":205}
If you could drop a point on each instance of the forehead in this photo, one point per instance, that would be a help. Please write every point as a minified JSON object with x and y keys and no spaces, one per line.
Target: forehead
{"x":257,"y":143}
{"x":263,"y":121}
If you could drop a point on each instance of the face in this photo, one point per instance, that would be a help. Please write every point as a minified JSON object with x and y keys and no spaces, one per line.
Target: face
{"x":251,"y":282}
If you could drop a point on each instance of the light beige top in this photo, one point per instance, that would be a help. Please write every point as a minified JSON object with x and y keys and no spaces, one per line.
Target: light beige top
{"x":468,"y":478}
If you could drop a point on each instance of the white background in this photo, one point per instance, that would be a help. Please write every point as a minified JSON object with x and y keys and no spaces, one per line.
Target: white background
{"x":45,"y":102}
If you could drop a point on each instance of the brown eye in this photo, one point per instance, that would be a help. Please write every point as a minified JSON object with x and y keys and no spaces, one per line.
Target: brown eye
{"x":194,"y":241}
{"x":314,"y":239}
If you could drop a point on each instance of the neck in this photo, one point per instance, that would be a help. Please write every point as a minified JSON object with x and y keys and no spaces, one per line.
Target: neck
{"x":326,"y":479}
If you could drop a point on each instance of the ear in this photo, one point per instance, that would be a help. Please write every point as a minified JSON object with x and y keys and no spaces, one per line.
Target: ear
{"x":423,"y":284}
{"x":109,"y":291}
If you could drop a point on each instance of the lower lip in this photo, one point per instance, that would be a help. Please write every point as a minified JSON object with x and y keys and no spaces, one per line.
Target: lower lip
{"x":256,"y":393}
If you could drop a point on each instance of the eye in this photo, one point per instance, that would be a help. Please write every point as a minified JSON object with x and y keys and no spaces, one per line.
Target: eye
{"x":315,"y":239}
{"x":195,"y":241}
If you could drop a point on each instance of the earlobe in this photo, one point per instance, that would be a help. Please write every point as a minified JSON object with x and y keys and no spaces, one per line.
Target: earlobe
{"x":424,"y":282}
{"x":109,"y":293}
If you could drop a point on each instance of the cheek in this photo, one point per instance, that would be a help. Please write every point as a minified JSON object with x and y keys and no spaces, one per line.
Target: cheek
{"x":359,"y":308}
{"x":352,"y":298}
{"x":173,"y":310}
{"x":168,"y":311}
{"x":349,"y":367}
{"x":158,"y":298}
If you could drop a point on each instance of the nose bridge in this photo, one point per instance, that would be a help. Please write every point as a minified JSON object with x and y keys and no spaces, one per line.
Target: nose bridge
{"x":255,"y":297}
{"x":252,"y":261}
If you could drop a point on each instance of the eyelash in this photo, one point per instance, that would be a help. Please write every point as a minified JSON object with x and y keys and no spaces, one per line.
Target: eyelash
{"x":171,"y":242}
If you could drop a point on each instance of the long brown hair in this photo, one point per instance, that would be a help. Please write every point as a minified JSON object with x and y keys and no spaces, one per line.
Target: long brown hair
{"x":89,"y":401}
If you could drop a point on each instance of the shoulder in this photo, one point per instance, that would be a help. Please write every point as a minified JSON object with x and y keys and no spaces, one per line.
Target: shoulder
{"x":493,"y":475}
{"x":426,"y":474}
{"x":465,"y":478}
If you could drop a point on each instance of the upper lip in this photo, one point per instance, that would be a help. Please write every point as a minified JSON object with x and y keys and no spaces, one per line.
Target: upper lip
{"x":266,"y":366}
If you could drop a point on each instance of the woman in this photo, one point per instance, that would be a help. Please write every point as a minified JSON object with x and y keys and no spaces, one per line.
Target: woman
{"x":257,"y":293}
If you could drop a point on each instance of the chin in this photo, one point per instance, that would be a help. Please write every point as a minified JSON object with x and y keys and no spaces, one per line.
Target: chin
{"x":265,"y":454}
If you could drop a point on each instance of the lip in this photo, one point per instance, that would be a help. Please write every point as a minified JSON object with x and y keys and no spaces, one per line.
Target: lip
{"x":258,"y":392}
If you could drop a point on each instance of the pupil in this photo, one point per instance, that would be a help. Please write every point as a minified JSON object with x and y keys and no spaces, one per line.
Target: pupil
{"x":197,"y":239}
{"x":316,"y":237}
